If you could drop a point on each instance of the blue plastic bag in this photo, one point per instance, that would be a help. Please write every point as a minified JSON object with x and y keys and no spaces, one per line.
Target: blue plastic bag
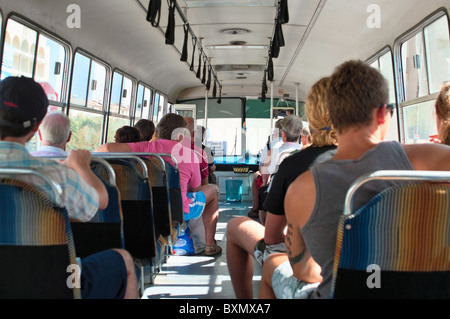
{"x":184,"y":245}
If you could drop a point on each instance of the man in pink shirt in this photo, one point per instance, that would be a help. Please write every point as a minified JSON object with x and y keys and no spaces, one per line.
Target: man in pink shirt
{"x":198,"y":200}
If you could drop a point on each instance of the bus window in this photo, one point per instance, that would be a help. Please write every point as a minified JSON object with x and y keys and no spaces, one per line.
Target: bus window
{"x":143,"y":103}
{"x":139,"y":103}
{"x":156,"y":108}
{"x":97,"y":86}
{"x":162,"y":110}
{"x":414,"y":68}
{"x":80,"y":78}
{"x":383,"y":63}
{"x":420,"y":122}
{"x":116,"y":93}
{"x":50,"y":67}
{"x":119,"y":107}
{"x":125,"y":104}
{"x":18,"y":57}
{"x":88,"y":83}
{"x":87,"y":99}
{"x":224,"y":126}
{"x":425,"y":62}
{"x":148,"y":100}
{"x":86,"y":129}
{"x":438,"y":53}
{"x":46,"y":64}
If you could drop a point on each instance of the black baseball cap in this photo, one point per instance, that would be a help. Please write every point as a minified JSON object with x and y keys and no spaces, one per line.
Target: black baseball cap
{"x":26,"y":98}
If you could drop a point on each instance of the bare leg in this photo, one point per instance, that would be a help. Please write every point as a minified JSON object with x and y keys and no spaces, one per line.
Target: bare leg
{"x":262,"y":217}
{"x":255,"y":192}
{"x":211,"y":212}
{"x":271,"y":263}
{"x":132,"y":285}
{"x":242,"y":235}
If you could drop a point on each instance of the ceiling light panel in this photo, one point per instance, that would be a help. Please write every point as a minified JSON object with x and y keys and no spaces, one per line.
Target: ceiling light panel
{"x":230,"y":3}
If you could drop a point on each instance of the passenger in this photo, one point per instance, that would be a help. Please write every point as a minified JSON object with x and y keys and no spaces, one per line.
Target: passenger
{"x":146,"y":129}
{"x":292,"y":127}
{"x":247,"y":238}
{"x":127,"y":134}
{"x":442,"y":108}
{"x":260,"y":180}
{"x":198,"y":200}
{"x":54,"y":133}
{"x":306,"y":137}
{"x":23,"y":104}
{"x":358,"y":98}
{"x":204,"y":170}
{"x":200,"y":140}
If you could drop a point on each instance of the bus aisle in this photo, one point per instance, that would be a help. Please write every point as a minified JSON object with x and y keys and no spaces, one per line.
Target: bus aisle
{"x":201,"y":277}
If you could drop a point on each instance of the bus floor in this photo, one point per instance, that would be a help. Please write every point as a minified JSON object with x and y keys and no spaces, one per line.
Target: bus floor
{"x":201,"y":277}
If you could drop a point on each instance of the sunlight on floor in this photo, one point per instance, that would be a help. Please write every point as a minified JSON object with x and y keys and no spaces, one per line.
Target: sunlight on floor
{"x":201,"y":277}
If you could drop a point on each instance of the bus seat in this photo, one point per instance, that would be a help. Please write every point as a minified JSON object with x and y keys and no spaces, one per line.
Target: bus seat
{"x":398,"y":244}
{"x":175,"y":197}
{"x":36,"y":242}
{"x":105,"y":230}
{"x":160,"y":190}
{"x":137,"y":209}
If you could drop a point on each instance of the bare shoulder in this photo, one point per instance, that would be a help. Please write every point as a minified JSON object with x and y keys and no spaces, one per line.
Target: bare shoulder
{"x":301,"y":182}
{"x":428,"y":156}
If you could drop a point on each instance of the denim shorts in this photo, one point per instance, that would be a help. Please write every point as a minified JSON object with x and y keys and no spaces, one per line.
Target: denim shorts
{"x":196,"y":206}
{"x":286,"y":286}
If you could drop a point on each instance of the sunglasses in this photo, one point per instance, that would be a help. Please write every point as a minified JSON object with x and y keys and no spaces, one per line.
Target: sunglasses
{"x":390,"y":106}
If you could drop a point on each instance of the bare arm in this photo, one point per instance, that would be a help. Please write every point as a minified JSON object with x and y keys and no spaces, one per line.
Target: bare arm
{"x":274,"y":230}
{"x":298,"y":210}
{"x":429,"y":157}
{"x":79,"y":161}
{"x":114,"y":147}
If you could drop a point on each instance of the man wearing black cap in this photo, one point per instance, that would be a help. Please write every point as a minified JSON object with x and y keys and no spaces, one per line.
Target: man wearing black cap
{"x":23,"y":105}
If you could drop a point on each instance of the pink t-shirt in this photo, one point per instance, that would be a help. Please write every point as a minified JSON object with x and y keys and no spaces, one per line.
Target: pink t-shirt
{"x":188,"y":163}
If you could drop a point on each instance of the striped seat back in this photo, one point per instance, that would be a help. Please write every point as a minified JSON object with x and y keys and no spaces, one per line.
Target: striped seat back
{"x":160,"y":190}
{"x":137,"y":208}
{"x":105,"y":230}
{"x":176,"y":198}
{"x":396,"y":246}
{"x":36,"y":245}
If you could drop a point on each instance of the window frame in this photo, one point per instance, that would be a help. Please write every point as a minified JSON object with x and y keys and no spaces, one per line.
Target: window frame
{"x":133,"y":93}
{"x":402,"y":102}
{"x":151,"y":101}
{"x":84,"y":108}
{"x":376,"y":58}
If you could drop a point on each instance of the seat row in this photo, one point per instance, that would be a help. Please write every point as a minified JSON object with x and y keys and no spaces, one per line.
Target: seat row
{"x":39,"y":244}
